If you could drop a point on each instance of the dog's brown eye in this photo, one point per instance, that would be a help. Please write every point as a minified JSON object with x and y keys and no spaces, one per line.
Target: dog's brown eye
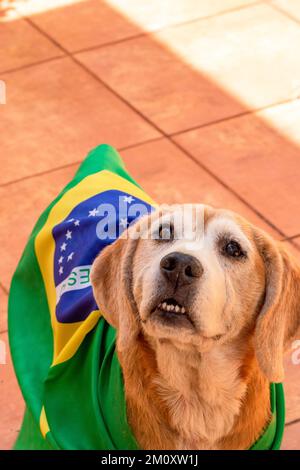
{"x":166,"y":232}
{"x":233,"y":249}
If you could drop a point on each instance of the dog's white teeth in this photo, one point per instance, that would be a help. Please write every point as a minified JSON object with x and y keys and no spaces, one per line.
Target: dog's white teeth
{"x":171,"y":307}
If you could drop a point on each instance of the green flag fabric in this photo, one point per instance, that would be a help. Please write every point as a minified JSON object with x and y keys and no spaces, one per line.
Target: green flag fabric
{"x":62,"y":348}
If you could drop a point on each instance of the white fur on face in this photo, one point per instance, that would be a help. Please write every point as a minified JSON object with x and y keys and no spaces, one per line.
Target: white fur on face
{"x":218,"y":303}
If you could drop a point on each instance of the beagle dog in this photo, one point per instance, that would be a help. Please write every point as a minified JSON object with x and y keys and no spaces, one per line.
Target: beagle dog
{"x":204,"y":308}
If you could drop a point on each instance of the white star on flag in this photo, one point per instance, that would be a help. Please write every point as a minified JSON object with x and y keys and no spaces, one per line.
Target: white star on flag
{"x":123,"y":222}
{"x":70,"y":220}
{"x":60,"y":259}
{"x":63,"y":246}
{"x":128,"y":199}
{"x":61,"y":270}
{"x":93,"y":213}
{"x":70,"y":256}
{"x":77,"y":222}
{"x":69,"y":235}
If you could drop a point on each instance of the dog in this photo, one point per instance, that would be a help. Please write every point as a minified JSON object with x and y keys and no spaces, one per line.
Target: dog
{"x":202,"y":325}
{"x":167,"y":325}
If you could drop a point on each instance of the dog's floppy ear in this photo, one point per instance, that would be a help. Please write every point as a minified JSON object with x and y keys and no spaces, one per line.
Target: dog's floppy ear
{"x":279,"y":318}
{"x":111,"y":281}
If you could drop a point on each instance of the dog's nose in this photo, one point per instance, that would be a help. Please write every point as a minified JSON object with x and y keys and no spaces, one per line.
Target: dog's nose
{"x":180,"y":269}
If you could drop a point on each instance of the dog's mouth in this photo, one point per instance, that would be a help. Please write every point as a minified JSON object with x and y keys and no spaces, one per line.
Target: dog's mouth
{"x":170,"y":312}
{"x":171,"y":305}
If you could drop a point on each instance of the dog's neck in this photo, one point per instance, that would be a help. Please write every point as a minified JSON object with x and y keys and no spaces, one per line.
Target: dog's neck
{"x":203,"y":392}
{"x":181,"y":399}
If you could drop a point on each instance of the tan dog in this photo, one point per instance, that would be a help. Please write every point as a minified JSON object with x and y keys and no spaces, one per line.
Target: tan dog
{"x":202,"y":326}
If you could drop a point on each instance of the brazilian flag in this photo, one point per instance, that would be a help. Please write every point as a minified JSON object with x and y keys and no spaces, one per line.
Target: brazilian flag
{"x":63,"y":350}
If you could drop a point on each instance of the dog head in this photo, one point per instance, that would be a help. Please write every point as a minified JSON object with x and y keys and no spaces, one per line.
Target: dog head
{"x":200,"y":281}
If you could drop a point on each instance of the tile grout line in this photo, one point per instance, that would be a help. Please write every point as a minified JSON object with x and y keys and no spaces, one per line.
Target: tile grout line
{"x":32,"y":64}
{"x":67,"y":165}
{"x":162,"y":28}
{"x":153,"y":125}
{"x":170,"y":26}
{"x":294,"y":421}
{"x":292,"y":237}
{"x":36,"y":175}
{"x":93,"y":75}
{"x":293,"y":243}
{"x":234,"y":116}
{"x":128,"y":38}
{"x":172,"y":134}
{"x":4,"y":288}
{"x":112,"y":43}
{"x":164,"y":135}
{"x":232,"y":191}
{"x":283,"y":12}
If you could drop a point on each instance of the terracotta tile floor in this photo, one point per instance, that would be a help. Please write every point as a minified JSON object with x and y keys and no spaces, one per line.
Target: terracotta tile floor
{"x":201,"y":98}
